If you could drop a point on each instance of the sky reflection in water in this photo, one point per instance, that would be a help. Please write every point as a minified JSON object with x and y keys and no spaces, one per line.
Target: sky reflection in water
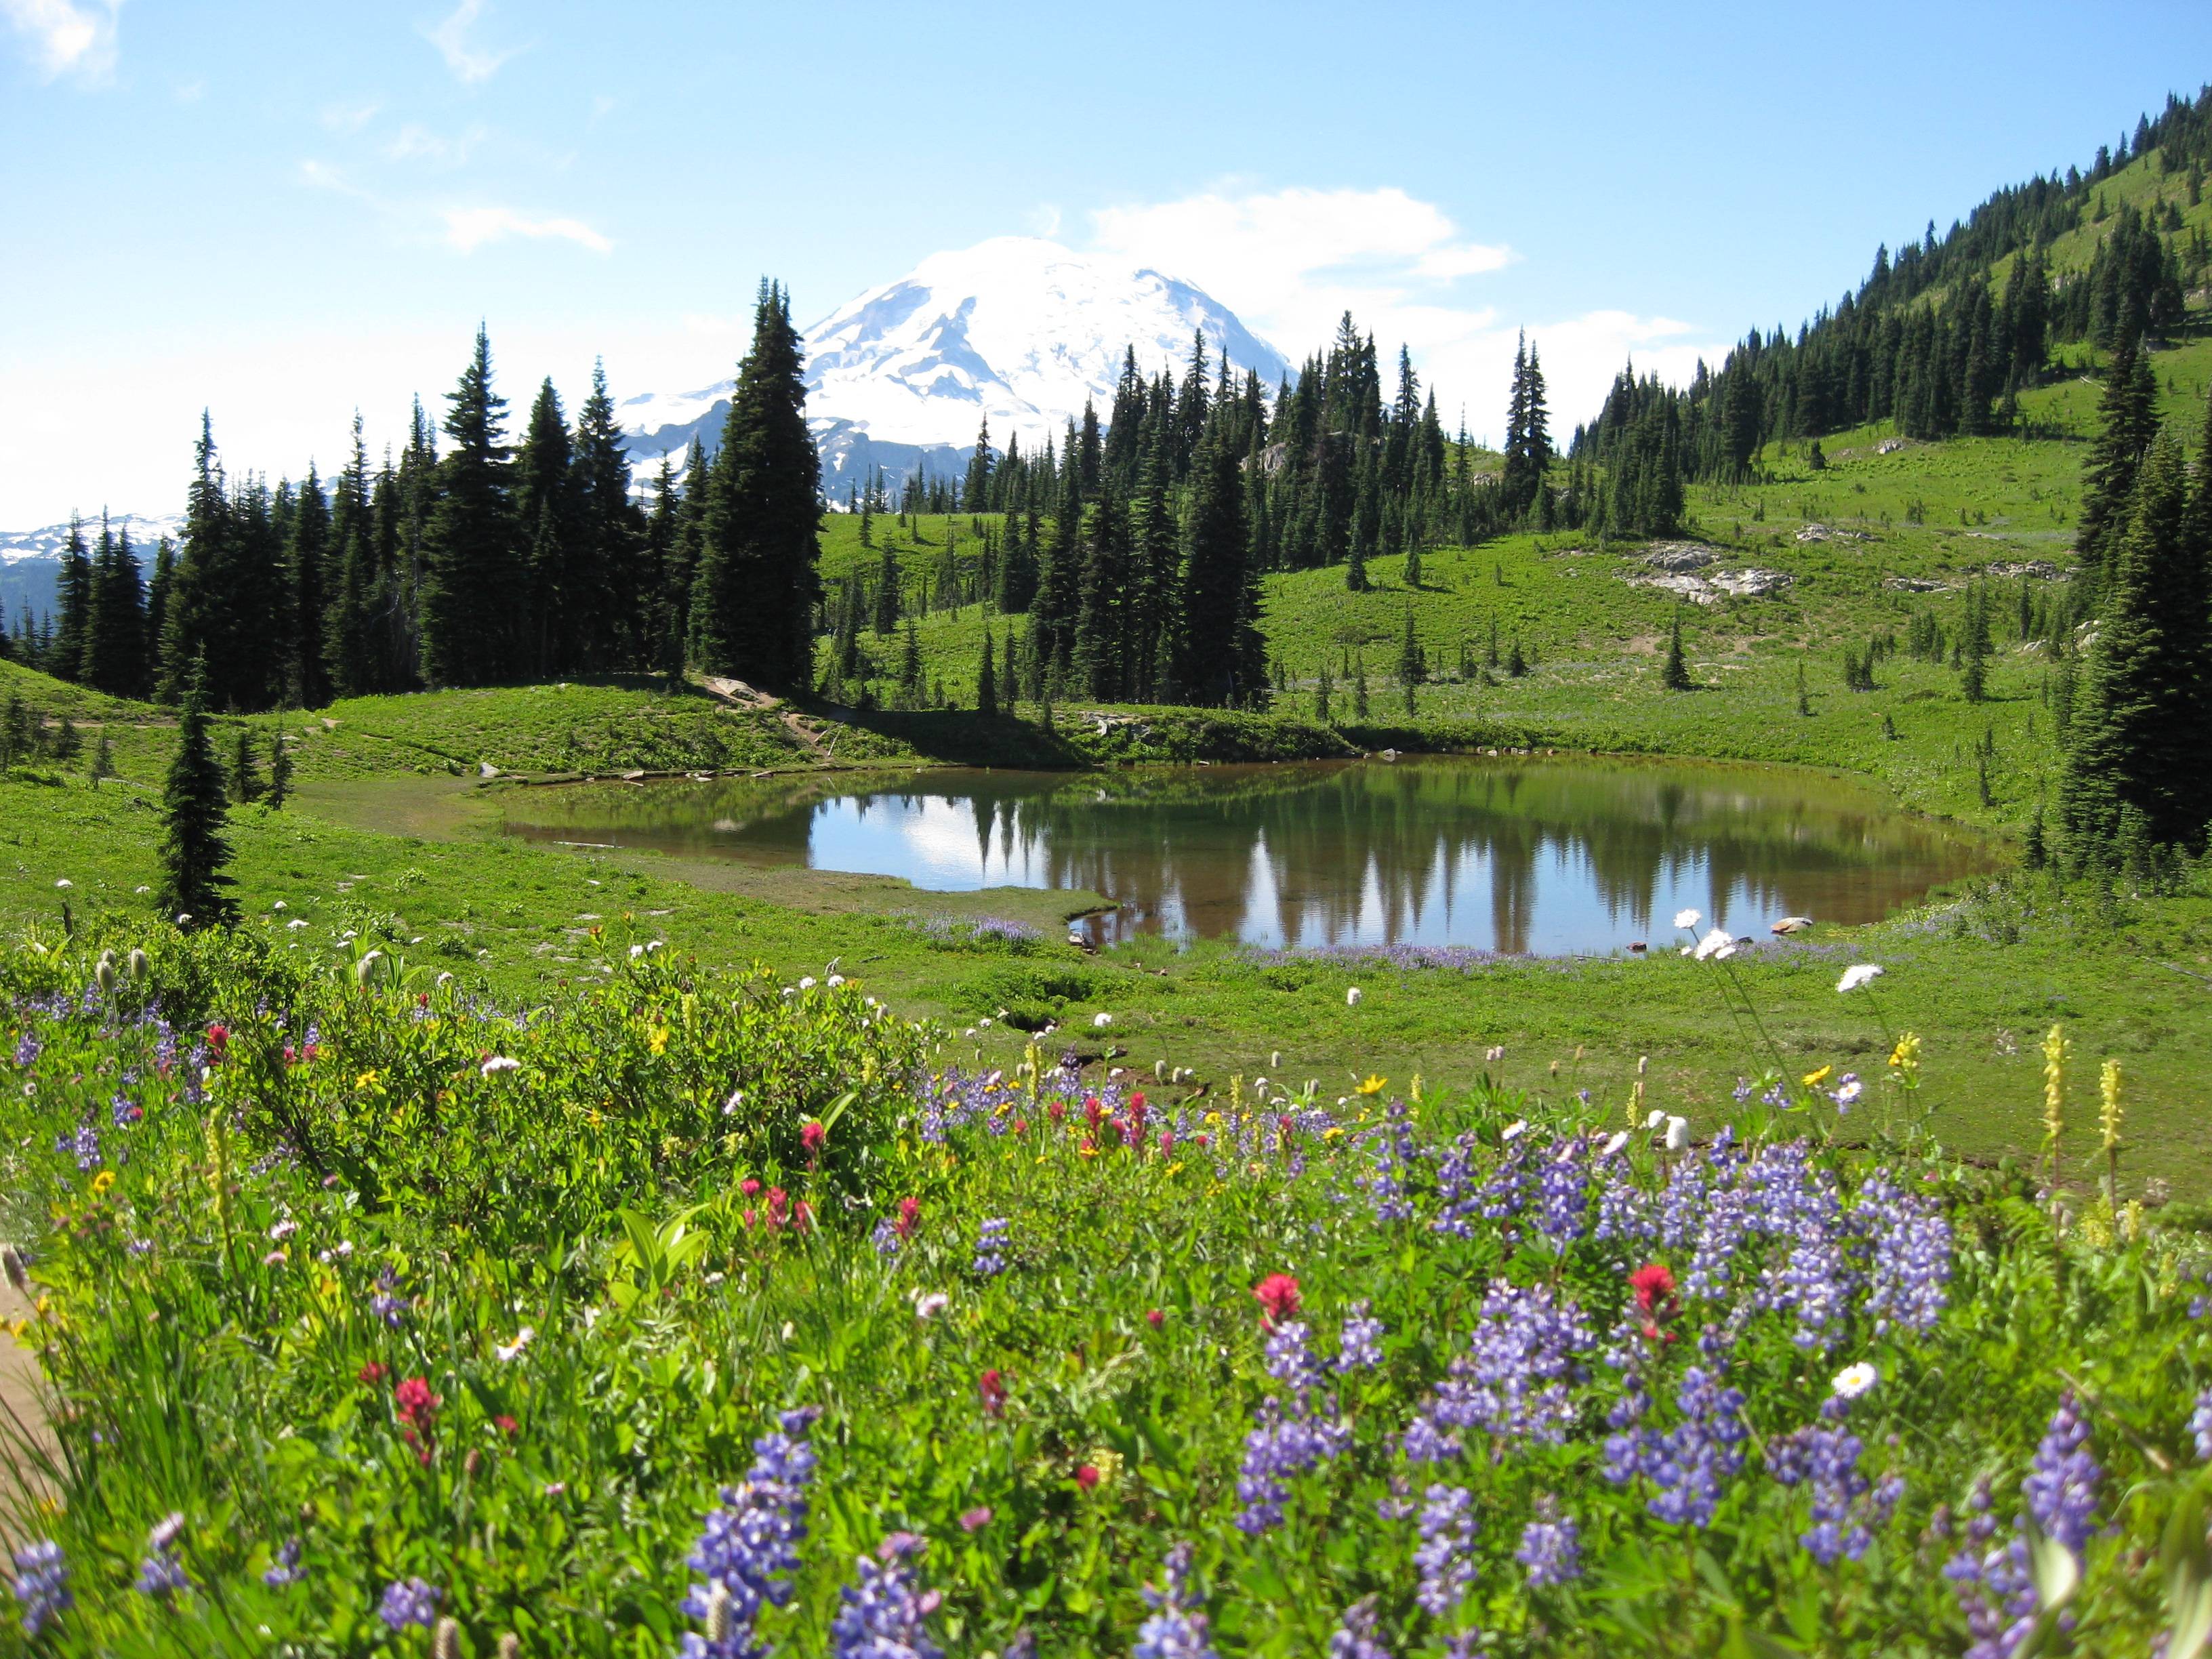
{"x":1553,"y":856}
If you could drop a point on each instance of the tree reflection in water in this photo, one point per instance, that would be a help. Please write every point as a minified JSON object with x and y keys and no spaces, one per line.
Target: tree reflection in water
{"x":1551,"y":856}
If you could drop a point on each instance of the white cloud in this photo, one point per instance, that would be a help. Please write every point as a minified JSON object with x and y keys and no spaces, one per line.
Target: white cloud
{"x":75,"y":37}
{"x":470,"y":228}
{"x":418,"y":143}
{"x":469,"y":63}
{"x":1291,"y":262}
{"x":352,"y":117}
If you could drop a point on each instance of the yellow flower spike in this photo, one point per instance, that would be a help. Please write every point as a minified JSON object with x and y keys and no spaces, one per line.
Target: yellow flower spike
{"x":1905,"y":1057}
{"x":2056,"y":1050}
{"x":1372,"y":1084}
{"x":1415,"y":1089}
{"x":2110,"y":1115}
{"x":1814,"y":1079}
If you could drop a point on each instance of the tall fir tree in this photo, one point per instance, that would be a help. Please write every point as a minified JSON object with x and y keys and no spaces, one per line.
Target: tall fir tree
{"x":473,"y":584}
{"x":342,"y":631}
{"x":195,"y":889}
{"x":307,"y":561}
{"x":2134,"y":749}
{"x":2129,"y":421}
{"x":73,"y":599}
{"x":115,"y":628}
{"x":757,"y":583}
{"x":611,"y":572}
{"x":561,"y":604}
{"x":1221,"y":654}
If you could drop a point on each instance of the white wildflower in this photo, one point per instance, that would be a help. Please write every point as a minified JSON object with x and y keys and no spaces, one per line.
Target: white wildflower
{"x":807,"y":982}
{"x":1655,"y":1119}
{"x":1613,"y":1143}
{"x":508,"y":1352}
{"x":1351,"y":996}
{"x":1863,"y":973}
{"x":931,"y":1303}
{"x":499,"y":1063}
{"x":835,"y":980}
{"x":1853,"y":1380}
{"x":1717,"y":944}
{"x":1688,"y":918}
{"x":1100,"y":1021}
{"x":1678,"y":1135}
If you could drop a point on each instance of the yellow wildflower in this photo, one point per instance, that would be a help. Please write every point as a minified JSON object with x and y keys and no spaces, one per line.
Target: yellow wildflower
{"x":1373,"y":1084}
{"x":2055,"y":1051}
{"x":102,"y":1181}
{"x":1905,"y":1057}
{"x":1107,"y":1462}
{"x":1174,"y":1168}
{"x":366,"y":1080}
{"x":657,"y":1040}
{"x":1333,"y":1132}
{"x":2110,"y":1115}
{"x":1814,"y":1079}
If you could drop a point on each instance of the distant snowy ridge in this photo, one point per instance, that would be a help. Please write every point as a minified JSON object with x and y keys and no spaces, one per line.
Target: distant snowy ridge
{"x":1016,"y":331}
{"x":31,"y":559}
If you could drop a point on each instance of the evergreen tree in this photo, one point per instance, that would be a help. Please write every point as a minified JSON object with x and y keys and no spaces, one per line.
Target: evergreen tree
{"x":1322,"y":689}
{"x":1413,"y":663}
{"x":244,"y":775}
{"x":1359,"y":689}
{"x":65,"y":660}
{"x":888,"y":586}
{"x":103,"y":759}
{"x":611,"y":573}
{"x":157,"y":610}
{"x":308,"y":559}
{"x":1974,"y":646}
{"x":560,"y":603}
{"x":975,"y":490}
{"x":472,"y":581}
{"x":754,"y":594}
{"x":2133,"y":745}
{"x":987,"y":681}
{"x":1220,"y":656}
{"x":2129,"y":416}
{"x":910,"y":686}
{"x":68,"y":741}
{"x":195,"y":889}
{"x":115,"y":633}
{"x":280,"y":772}
{"x":1676,"y":675}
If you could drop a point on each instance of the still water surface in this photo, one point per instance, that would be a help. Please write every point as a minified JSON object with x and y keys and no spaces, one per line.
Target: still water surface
{"x":1549,"y":856}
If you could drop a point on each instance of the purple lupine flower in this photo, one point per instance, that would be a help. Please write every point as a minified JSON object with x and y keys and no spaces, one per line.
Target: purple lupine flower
{"x":1359,"y":1339}
{"x":1288,"y":1360}
{"x":410,"y":1602}
{"x":1563,"y":1195}
{"x":1551,"y":1546}
{"x":1825,"y":1456}
{"x":748,"y":1547}
{"x":387,"y":1304}
{"x":1911,"y":1267}
{"x":28,"y":1047}
{"x":886,"y":1238}
{"x":286,"y":1569}
{"x":1995,"y":1589}
{"x":160,"y":1573}
{"x":990,"y":1248}
{"x":1287,"y":1440}
{"x":2200,"y":1425}
{"x":83,"y":1145}
{"x":1688,"y":1462}
{"x":1515,"y":1379}
{"x":1446,"y":1554}
{"x":1178,"y":1625}
{"x":1395,"y":1152}
{"x":124,"y":1110}
{"x":41,"y":1585}
{"x":2061,"y":1492}
{"x":1355,"y":1636}
{"x":884,"y":1616}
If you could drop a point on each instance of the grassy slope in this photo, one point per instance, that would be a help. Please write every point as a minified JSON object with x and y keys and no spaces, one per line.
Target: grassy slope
{"x":1595,"y":640}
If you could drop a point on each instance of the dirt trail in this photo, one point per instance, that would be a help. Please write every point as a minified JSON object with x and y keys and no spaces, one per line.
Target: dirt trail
{"x":21,"y":1407}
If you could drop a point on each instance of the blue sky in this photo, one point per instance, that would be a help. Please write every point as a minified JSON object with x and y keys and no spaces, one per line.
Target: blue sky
{"x":282,"y":212}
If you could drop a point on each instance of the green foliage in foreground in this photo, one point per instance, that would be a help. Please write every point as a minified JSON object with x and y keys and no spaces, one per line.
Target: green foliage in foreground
{"x":488,"y":1299}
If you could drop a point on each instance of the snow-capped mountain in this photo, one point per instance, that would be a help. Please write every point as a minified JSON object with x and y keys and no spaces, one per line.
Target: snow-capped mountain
{"x":1016,"y":331}
{"x":30,"y":559}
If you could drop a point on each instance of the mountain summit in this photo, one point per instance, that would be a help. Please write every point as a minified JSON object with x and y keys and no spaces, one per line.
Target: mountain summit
{"x":1017,"y":330}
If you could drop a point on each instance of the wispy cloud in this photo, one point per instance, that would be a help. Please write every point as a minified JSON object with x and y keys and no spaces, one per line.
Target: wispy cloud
{"x":468,"y":229}
{"x":73,"y":38}
{"x":349,"y":115}
{"x":468,"y":63}
{"x":1291,"y":262}
{"x":416,"y":143}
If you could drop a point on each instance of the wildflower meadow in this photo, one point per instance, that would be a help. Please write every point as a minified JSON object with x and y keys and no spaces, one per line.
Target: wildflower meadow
{"x":702,"y":1314}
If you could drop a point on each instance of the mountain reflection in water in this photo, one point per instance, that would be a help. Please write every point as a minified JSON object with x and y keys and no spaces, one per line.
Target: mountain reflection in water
{"x":1550,"y":856}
